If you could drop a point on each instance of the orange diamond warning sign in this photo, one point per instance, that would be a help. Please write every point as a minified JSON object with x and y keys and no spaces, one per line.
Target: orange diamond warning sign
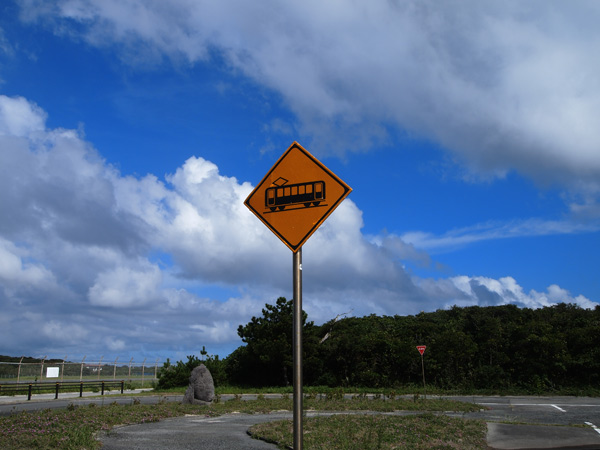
{"x":296,"y":196}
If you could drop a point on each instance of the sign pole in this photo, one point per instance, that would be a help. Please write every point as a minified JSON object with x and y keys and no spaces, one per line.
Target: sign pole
{"x":421,"y":349}
{"x":297,"y":342}
{"x":423,"y":368}
{"x":292,"y":200}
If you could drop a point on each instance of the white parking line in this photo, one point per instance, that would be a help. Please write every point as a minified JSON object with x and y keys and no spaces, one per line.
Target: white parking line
{"x":596,"y":429}
{"x":528,"y":404}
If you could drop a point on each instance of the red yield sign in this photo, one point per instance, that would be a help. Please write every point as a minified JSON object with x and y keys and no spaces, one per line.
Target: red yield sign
{"x":421,"y":348}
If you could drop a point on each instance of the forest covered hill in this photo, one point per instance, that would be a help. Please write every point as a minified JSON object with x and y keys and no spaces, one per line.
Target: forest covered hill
{"x":472,"y":348}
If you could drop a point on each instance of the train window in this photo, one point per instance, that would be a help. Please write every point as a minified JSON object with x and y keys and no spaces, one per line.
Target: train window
{"x":286,"y":191}
{"x":302,"y":189}
{"x":309,"y":188}
{"x":294,"y":190}
{"x":319,"y":189}
{"x":280,"y":192}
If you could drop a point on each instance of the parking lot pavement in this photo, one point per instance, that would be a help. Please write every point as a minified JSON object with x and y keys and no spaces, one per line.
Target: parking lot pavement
{"x":229,"y":431}
{"x":509,"y":436}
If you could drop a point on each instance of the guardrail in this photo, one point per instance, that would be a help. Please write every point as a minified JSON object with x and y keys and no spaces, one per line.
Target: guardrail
{"x":13,"y":389}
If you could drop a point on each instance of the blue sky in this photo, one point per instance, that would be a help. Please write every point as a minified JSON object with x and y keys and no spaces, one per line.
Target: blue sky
{"x":132,"y":131}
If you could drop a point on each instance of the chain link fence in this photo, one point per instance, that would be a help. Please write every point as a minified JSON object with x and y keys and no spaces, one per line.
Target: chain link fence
{"x":43,"y":370}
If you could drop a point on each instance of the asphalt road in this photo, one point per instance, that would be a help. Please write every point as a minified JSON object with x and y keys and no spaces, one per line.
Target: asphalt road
{"x":19,"y":403}
{"x":229,"y":431}
{"x":192,"y":432}
{"x":545,"y":410}
{"x":582,"y":414}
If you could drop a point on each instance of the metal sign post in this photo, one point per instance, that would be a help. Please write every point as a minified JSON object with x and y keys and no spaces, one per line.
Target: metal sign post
{"x":297,"y":343}
{"x":293,"y":200}
{"x":421,"y":349}
{"x":423,"y":369}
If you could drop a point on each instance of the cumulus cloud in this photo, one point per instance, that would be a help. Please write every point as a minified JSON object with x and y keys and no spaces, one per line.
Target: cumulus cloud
{"x":20,"y":118}
{"x":64,"y":332}
{"x":115,"y":345}
{"x":124,"y":287}
{"x":484,"y":291}
{"x":503,"y":86}
{"x":92,"y":260}
{"x":219,"y":331}
{"x":13,"y":271}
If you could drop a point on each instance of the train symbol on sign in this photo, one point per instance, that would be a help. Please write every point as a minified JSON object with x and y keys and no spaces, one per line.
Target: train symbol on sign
{"x":282,"y":194}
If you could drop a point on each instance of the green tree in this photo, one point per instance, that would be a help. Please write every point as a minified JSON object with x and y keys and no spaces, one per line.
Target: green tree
{"x":178,"y":375}
{"x":267,"y":358}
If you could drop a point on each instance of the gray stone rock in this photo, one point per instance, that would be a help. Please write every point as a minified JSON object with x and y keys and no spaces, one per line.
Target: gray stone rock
{"x":201,"y":390}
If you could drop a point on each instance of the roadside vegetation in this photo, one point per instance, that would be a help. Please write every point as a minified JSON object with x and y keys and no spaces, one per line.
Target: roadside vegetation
{"x":502,"y":350}
{"x":493,"y":350}
{"x":78,"y":427}
{"x":475,"y":350}
{"x":366,"y":432}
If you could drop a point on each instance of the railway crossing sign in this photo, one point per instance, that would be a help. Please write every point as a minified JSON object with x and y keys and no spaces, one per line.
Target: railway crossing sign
{"x":421,"y":349}
{"x":296,"y":196}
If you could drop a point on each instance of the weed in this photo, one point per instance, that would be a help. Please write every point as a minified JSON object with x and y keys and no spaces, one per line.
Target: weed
{"x":378,"y":432}
{"x":336,"y":394}
{"x":75,"y":428}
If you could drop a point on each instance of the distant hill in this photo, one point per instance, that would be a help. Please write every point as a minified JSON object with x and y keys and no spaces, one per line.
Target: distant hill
{"x":27,"y":359}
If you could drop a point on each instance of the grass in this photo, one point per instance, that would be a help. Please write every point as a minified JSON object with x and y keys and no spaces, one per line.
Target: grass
{"x":76,"y":427}
{"x":366,"y":432}
{"x":398,"y":390}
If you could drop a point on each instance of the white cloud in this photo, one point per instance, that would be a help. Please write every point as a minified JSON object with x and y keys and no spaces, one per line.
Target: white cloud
{"x":484,"y":291}
{"x":84,"y":243}
{"x":491,"y":231}
{"x":14,"y":271}
{"x":20,"y":118}
{"x":505,"y":86}
{"x":401,"y":248}
{"x":116,"y":345}
{"x":61,"y":332}
{"x":218,"y":331}
{"x":124,"y":287}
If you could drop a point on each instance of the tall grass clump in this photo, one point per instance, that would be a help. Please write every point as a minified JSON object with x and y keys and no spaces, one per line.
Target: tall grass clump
{"x":381,"y":432}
